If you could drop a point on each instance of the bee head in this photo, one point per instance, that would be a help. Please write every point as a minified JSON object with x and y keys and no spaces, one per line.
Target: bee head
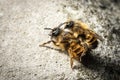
{"x":55,"y":31}
{"x":69,"y":25}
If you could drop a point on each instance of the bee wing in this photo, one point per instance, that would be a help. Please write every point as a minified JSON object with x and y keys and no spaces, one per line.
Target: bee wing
{"x":96,"y":35}
{"x":85,"y":26}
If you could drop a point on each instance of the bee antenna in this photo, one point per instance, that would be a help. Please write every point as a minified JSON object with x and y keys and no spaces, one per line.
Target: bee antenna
{"x":62,"y":24}
{"x":48,"y":28}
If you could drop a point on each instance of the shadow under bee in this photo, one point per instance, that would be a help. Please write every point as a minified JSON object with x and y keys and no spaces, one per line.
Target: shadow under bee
{"x":95,"y":63}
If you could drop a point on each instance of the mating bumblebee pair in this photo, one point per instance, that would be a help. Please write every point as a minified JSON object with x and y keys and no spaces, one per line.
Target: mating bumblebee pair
{"x":75,"y":37}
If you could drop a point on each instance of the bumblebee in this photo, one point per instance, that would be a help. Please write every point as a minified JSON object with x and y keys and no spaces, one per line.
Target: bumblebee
{"x":81,"y":31}
{"x":66,"y":42}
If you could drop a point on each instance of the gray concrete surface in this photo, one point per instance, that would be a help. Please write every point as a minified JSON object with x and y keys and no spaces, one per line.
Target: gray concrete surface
{"x":22,"y":24}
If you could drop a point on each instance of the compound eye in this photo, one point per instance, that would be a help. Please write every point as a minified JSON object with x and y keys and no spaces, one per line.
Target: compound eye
{"x":56,"y":32}
{"x":70,"y":24}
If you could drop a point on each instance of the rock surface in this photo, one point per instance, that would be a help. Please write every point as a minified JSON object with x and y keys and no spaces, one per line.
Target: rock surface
{"x":22,"y":24}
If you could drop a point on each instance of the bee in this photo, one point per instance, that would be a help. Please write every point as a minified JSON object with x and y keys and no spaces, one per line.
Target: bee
{"x":81,"y":31}
{"x":66,"y":42}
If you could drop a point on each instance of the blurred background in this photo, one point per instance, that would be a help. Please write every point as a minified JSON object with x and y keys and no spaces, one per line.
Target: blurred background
{"x":22,"y":24}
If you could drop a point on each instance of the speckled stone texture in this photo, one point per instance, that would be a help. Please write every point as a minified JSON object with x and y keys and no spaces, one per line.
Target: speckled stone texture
{"x":22,"y":24}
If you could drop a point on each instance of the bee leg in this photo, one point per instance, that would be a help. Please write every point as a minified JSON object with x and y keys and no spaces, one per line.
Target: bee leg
{"x":48,"y":43}
{"x":71,"y":62}
{"x":45,"y":43}
{"x":84,"y":51}
{"x":71,"y":58}
{"x":85,"y":46}
{"x":81,"y":56}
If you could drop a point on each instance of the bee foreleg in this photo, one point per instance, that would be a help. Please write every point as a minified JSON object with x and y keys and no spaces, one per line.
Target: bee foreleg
{"x":53,"y":48}
{"x":45,"y":43}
